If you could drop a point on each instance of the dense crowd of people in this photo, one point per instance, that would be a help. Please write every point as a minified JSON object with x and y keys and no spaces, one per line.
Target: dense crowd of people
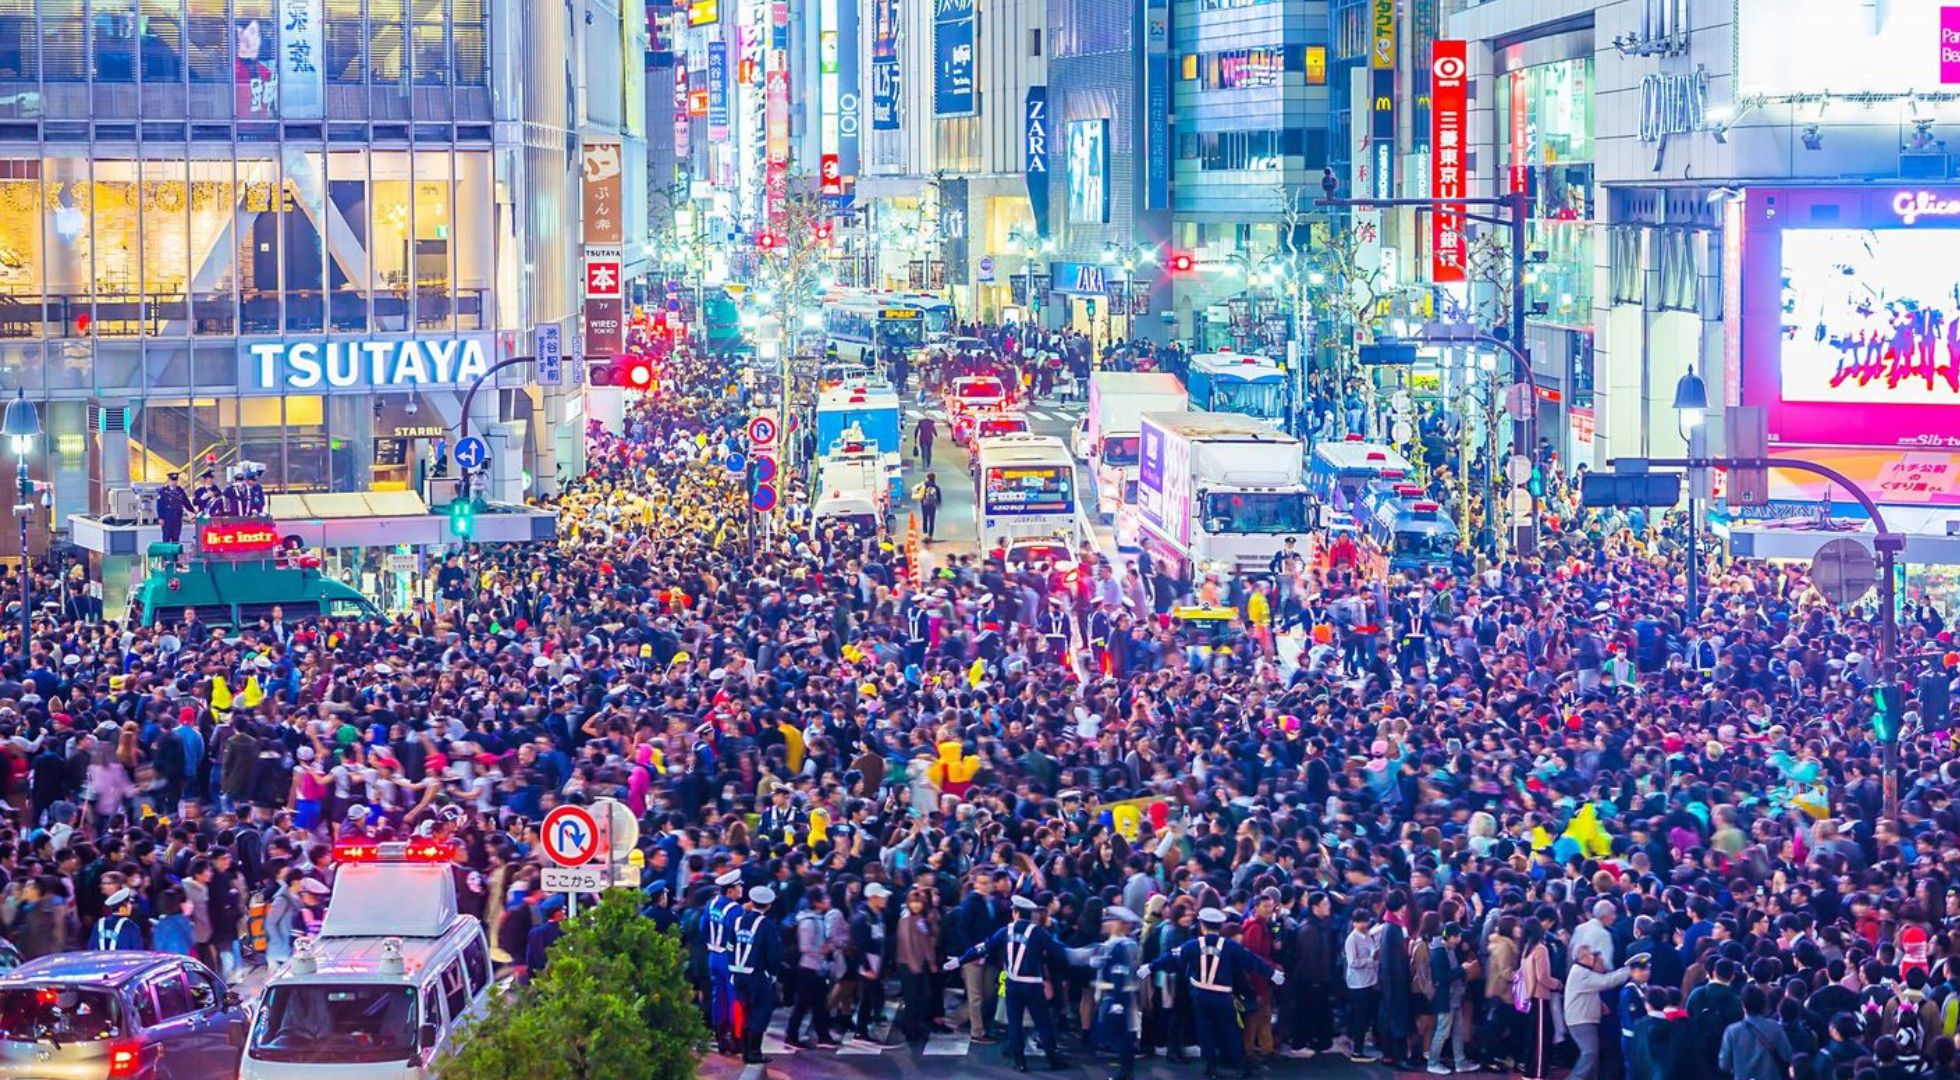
{"x":1529,"y":816}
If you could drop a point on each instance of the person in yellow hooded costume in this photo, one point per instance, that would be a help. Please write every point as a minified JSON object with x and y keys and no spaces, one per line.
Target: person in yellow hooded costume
{"x":955,"y":769}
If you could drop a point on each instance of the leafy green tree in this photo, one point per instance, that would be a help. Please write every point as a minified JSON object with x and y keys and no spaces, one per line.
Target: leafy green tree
{"x":613,"y":1004}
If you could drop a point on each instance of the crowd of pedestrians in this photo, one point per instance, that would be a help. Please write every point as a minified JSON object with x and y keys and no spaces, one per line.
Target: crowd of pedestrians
{"x":1531,"y":816}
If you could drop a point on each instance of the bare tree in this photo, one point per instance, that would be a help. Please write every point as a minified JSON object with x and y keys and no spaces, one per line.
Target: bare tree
{"x":1487,"y":268}
{"x":1342,"y":278}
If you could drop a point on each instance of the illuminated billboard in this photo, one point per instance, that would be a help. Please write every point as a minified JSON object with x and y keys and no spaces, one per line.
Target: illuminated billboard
{"x":1088,"y":171}
{"x":1851,"y":314}
{"x":1792,"y":47}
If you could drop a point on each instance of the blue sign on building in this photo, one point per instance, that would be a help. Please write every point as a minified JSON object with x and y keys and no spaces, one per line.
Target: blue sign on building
{"x":884,"y":65}
{"x":953,"y":59}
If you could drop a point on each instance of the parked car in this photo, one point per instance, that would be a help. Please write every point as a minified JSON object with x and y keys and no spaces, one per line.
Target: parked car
{"x":103,"y":1015}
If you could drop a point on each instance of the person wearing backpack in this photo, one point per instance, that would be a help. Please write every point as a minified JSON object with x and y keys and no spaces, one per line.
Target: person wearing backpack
{"x":930,"y":496}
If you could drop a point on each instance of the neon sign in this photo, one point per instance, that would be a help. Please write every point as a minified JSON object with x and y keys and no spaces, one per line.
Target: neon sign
{"x":1911,"y":206}
{"x":308,"y":365}
{"x":238,"y":537}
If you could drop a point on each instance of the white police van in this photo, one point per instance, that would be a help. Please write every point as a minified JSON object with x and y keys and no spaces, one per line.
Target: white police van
{"x":393,"y":974}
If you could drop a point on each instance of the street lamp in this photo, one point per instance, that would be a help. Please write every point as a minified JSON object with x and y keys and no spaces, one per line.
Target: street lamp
{"x":1691,"y":401}
{"x":21,"y":426}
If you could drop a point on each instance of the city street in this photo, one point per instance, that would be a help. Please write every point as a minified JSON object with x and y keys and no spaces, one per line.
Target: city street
{"x":956,"y":531}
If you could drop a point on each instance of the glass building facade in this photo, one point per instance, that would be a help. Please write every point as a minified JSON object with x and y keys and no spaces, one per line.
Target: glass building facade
{"x":184,"y":183}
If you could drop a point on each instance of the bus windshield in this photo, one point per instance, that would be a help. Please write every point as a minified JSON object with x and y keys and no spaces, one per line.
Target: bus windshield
{"x":353,"y":1022}
{"x":938,"y":321}
{"x":901,"y":333}
{"x":1263,"y":400}
{"x":1256,"y":512}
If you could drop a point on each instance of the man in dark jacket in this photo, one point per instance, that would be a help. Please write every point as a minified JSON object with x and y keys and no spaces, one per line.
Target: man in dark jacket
{"x":867,"y":959}
{"x":1310,"y":983}
{"x":1396,"y":1018}
{"x":1711,"y":1009}
{"x":979,"y":915}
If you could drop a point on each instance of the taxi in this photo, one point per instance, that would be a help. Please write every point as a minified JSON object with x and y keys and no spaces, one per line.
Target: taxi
{"x":977,"y":393}
{"x":968,"y":427}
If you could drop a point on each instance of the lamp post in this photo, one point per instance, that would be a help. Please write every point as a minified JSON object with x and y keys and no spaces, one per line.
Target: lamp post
{"x":1691,"y":402}
{"x":21,"y":426}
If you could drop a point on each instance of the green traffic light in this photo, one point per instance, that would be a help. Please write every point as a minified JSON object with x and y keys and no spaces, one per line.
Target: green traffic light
{"x":1888,"y":711}
{"x":462,"y":518}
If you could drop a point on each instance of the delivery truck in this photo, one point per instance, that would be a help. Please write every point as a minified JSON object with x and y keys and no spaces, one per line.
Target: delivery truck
{"x":1217,"y":492}
{"x":869,"y":408}
{"x":1117,"y":402}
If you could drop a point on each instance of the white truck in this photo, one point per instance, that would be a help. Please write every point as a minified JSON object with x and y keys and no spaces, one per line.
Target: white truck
{"x":1217,"y":491}
{"x":851,"y":483}
{"x":1117,"y":402}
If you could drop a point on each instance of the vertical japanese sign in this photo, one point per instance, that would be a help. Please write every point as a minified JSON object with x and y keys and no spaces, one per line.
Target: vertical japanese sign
{"x":302,"y":45}
{"x":604,"y":197}
{"x":850,"y":105}
{"x":1157,"y":105}
{"x":717,"y":91}
{"x":1035,"y":148}
{"x":952,"y":58}
{"x":775,"y":88}
{"x":829,"y":44}
{"x":884,"y":65}
{"x":953,"y":229}
{"x":1519,"y":123}
{"x":1381,"y":53}
{"x":1449,"y":101}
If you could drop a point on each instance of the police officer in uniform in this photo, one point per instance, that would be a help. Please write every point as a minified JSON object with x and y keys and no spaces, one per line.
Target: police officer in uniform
{"x":172,"y":503}
{"x":918,"y":622}
{"x":782,"y":821}
{"x":255,"y":503}
{"x":755,"y":953}
{"x":1211,"y":964}
{"x":1054,"y":628}
{"x":1633,"y":1001}
{"x":1114,"y":962}
{"x":206,"y":498}
{"x":1023,"y":948}
{"x":117,"y":929}
{"x":716,"y":921}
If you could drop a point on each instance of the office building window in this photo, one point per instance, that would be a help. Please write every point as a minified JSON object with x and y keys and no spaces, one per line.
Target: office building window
{"x":469,"y":25}
{"x":346,"y":42}
{"x":1216,"y":151}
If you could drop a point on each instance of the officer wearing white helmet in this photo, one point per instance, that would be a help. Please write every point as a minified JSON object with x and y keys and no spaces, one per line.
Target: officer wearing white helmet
{"x":755,"y":954}
{"x":716,"y":920}
{"x":1026,"y":948}
{"x":1114,"y":962}
{"x":1212,"y":962}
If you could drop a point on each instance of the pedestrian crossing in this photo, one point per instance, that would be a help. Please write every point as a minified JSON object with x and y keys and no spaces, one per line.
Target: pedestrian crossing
{"x":884,"y":1039}
{"x":1043,"y":415}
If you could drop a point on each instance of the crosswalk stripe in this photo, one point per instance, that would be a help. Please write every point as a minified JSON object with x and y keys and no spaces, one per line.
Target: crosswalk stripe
{"x":947,"y":1044}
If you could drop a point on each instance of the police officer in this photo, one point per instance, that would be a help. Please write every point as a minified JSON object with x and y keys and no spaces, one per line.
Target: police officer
{"x":1211,"y":964}
{"x":255,"y":502}
{"x":117,"y":928}
{"x":716,"y":922}
{"x":172,"y":502}
{"x":782,"y":822}
{"x":1054,"y":628}
{"x":1114,"y":963}
{"x":755,"y":953}
{"x":1024,"y":948}
{"x":206,"y":498}
{"x":1633,"y":1000}
{"x":918,"y":624}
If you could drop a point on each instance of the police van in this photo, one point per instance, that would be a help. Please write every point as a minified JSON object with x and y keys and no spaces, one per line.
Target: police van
{"x":392,"y":976}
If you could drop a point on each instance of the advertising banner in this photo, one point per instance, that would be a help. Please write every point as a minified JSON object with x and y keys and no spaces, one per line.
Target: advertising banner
{"x":884,"y":65}
{"x":1381,"y":53}
{"x":1034,"y":144}
{"x":1850,"y":328}
{"x":1888,"y":50}
{"x":953,"y":229}
{"x":604,"y":186}
{"x":1157,"y":106}
{"x":1087,"y":178}
{"x":1449,"y":102}
{"x":717,"y":91}
{"x":301,"y":93}
{"x":850,"y":104}
{"x":952,"y":58}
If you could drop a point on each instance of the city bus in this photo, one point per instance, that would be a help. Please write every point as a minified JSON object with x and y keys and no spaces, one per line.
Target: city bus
{"x":1241,"y":383}
{"x":1024,"y":490}
{"x":863,"y":325}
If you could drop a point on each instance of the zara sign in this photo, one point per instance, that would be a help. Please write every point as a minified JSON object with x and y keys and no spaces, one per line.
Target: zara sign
{"x":315,"y":365}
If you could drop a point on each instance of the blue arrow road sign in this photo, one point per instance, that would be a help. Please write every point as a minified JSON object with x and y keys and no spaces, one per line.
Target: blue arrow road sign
{"x":472,"y":452}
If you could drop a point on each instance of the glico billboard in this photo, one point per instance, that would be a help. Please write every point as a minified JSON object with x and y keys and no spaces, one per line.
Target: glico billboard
{"x":1851,"y":314}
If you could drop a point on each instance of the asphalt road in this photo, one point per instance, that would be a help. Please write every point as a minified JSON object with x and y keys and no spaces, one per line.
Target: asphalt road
{"x":956,"y":531}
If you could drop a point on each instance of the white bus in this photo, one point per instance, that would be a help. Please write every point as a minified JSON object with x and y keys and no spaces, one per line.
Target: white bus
{"x":1024,"y":491}
{"x":865,"y":324}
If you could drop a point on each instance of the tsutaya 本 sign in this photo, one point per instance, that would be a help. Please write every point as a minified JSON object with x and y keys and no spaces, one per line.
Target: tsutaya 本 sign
{"x":1913,"y":205}
{"x":315,"y":365}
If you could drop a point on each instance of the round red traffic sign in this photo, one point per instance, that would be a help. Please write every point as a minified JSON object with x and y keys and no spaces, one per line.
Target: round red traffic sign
{"x":762,"y":430}
{"x":571,"y":837}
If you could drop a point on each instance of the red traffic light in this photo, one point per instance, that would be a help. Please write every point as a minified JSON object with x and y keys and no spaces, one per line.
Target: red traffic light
{"x":822,"y":230}
{"x":766,"y":241}
{"x":1183,"y":264}
{"x":639,"y":374}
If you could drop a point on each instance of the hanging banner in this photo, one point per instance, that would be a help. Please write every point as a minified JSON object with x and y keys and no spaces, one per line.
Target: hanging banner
{"x":301,"y":90}
{"x":1157,"y":106}
{"x":1034,"y":136}
{"x":604,"y":187}
{"x":952,"y":58}
{"x":884,"y":65}
{"x":953,"y":229}
{"x":1381,"y":54}
{"x":850,"y":112}
{"x":1449,"y":102}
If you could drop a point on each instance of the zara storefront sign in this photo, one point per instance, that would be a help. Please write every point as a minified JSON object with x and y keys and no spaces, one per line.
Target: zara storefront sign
{"x":317,"y":365}
{"x":1913,"y":205}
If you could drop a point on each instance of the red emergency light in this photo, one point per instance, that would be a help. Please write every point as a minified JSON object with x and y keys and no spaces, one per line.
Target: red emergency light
{"x":409,"y":851}
{"x":1407,"y":489}
{"x":1352,"y":436}
{"x":1425,"y":508}
{"x":1377,"y":455}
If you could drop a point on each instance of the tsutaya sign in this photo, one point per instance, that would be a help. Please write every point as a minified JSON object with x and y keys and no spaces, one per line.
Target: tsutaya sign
{"x":313,"y":365}
{"x":1913,"y":205}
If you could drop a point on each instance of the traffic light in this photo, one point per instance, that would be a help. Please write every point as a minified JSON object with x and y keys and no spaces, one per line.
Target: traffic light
{"x":822,"y":231}
{"x":1536,"y":485}
{"x":636,"y":373}
{"x":462,"y":517}
{"x":1888,"y":711}
{"x":1935,"y":701}
{"x":766,"y":241}
{"x":1182,"y":263}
